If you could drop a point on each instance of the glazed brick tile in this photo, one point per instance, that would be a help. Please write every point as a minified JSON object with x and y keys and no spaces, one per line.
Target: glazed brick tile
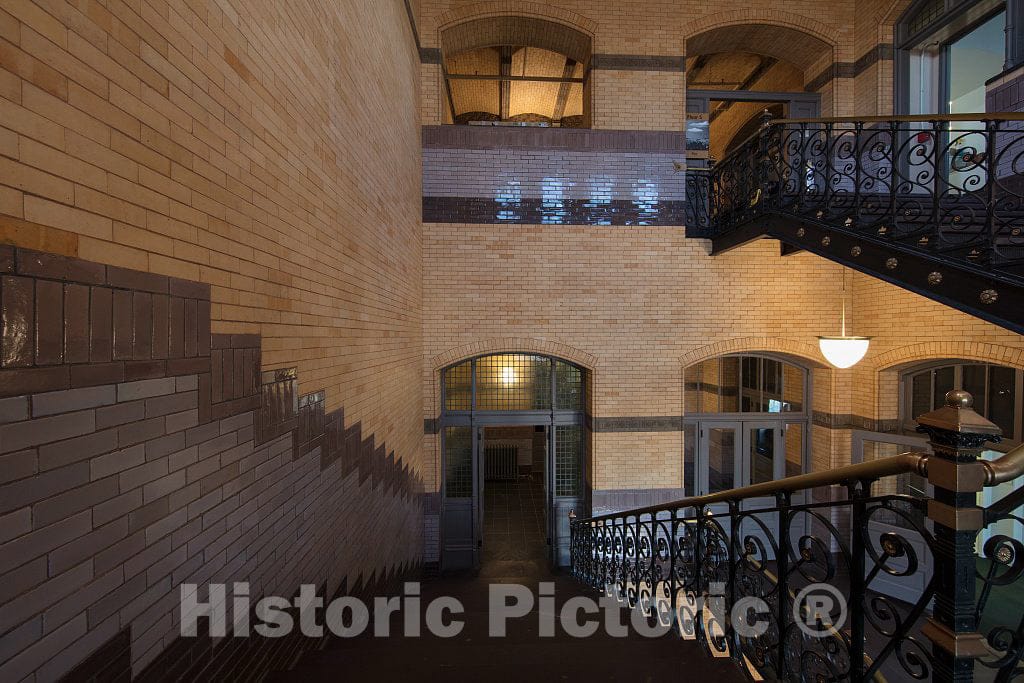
{"x":188,"y":366}
{"x":22,"y":579}
{"x":42,"y":596}
{"x":69,"y":400}
{"x":184,"y":420}
{"x":186,"y":383}
{"x":133,"y":391}
{"x":18,"y":465}
{"x":161,"y":323}
{"x":164,"y":445}
{"x":138,"y":432}
{"x":14,"y":524}
{"x":203,"y":348}
{"x":218,"y":478}
{"x":173,"y":403}
{"x":116,"y":507}
{"x":135,"y":370}
{"x":142,"y":326}
{"x":183,"y":458}
{"x":110,"y":603}
{"x":13,"y":409}
{"x":63,"y":505}
{"x":183,"y":496}
{"x":17,"y":321}
{"x":6,"y":259}
{"x":152,"y":511}
{"x":191,"y":328}
{"x":75,"y":450}
{"x":143,"y":474}
{"x":136,"y":280}
{"x":49,"y":323}
{"x":69,"y":607}
{"x":43,"y":540}
{"x":188,"y":289}
{"x":165,"y":526}
{"x":120,"y":414}
{"x":101,"y":320}
{"x":96,"y":373}
{"x":21,"y":435}
{"x":58,"y":267}
{"x":124,"y":330}
{"x":19,"y":381}
{"x":117,"y":461}
{"x":176,"y":328}
{"x":76,"y":323}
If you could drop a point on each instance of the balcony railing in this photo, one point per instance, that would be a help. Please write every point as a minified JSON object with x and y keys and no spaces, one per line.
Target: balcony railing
{"x":934,"y":204}
{"x":910,"y":592}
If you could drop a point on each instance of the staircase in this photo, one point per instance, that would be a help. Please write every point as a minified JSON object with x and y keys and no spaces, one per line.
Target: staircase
{"x":933,"y":204}
{"x":839,"y":579}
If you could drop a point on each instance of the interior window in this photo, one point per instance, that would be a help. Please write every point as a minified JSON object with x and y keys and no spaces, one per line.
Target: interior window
{"x":995,"y":389}
{"x":744,"y":384}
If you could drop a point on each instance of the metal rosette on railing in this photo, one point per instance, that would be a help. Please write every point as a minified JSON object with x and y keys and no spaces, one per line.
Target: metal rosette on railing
{"x":1000,"y":572}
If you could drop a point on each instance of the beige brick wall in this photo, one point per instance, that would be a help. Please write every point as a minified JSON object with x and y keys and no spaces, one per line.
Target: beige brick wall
{"x":630,"y":301}
{"x":269,"y":149}
{"x":651,"y":100}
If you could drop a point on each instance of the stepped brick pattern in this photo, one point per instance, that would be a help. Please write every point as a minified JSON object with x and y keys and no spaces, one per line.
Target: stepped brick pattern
{"x":139,"y":452}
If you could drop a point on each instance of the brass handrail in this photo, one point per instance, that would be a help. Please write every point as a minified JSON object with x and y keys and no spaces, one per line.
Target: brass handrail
{"x":1006,"y":468}
{"x":911,"y":118}
{"x":904,"y":463}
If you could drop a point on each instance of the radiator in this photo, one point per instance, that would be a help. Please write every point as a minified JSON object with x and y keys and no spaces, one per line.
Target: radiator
{"x":501,"y":462}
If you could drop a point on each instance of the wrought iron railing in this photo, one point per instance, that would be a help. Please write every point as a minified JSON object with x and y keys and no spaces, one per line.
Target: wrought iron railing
{"x":742,"y":571}
{"x":948,"y":186}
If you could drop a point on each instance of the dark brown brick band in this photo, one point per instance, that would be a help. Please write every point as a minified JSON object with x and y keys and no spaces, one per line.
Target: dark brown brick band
{"x":135,"y":446}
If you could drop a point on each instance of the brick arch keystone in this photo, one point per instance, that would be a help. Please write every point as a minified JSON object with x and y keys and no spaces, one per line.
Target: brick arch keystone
{"x":809,"y":354}
{"x":514,"y":345}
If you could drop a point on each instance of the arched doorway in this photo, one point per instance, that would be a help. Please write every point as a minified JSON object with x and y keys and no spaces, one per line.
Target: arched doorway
{"x":514,"y":445}
{"x":737,"y":71}
{"x":747,"y":421}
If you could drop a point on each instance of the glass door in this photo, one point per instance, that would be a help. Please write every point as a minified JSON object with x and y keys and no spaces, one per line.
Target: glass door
{"x":461,"y":523}
{"x":742,"y":453}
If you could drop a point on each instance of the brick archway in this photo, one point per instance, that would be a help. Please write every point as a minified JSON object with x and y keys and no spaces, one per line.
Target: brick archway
{"x":771,"y":17}
{"x":521,"y":8}
{"x":787,"y":347}
{"x":514,"y":345}
{"x":792,"y":38}
{"x":547,"y":30}
{"x":890,"y":364}
{"x":903,"y":356}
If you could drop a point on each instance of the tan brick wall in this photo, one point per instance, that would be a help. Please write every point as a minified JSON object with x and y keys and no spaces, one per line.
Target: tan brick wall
{"x":907,"y":328}
{"x":653,"y":100}
{"x":628,"y":302}
{"x":638,"y":100}
{"x":269,"y":149}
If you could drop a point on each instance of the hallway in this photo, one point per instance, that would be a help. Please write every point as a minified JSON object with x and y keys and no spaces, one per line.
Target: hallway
{"x":514,"y":552}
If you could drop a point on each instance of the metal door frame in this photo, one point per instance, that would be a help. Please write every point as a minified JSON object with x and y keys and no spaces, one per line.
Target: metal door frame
{"x":479,"y":419}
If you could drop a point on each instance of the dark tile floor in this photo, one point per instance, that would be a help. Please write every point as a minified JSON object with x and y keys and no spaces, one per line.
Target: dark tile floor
{"x":515,"y":535}
{"x":514,"y":551}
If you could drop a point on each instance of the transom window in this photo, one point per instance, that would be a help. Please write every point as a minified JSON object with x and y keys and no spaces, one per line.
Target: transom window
{"x":513,"y":381}
{"x":996,"y":390}
{"x":745,"y":384}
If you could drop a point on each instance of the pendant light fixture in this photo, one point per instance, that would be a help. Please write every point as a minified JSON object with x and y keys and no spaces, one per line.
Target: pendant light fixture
{"x":843,"y":351}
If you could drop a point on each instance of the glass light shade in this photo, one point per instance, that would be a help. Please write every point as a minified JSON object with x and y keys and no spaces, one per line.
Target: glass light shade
{"x":843,"y":352}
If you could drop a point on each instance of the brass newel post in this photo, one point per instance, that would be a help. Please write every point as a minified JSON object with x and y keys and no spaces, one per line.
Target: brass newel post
{"x":958,"y":436}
